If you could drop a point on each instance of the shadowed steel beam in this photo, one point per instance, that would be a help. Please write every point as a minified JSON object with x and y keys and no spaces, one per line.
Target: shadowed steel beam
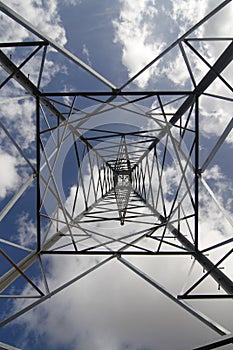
{"x":216,"y":344}
{"x":217,"y":274}
{"x":200,"y":316}
{"x":23,"y":22}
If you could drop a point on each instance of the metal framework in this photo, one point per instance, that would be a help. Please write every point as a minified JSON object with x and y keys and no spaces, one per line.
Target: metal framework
{"x":117,"y":150}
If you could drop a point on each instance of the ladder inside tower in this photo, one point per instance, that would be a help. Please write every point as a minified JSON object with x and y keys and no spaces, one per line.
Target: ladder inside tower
{"x":122,"y":180}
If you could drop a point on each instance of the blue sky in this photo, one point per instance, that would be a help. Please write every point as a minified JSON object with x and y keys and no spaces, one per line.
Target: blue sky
{"x":112,"y":308}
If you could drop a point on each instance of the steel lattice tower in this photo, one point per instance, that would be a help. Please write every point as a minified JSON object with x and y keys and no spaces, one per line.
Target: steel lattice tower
{"x":118,"y":151}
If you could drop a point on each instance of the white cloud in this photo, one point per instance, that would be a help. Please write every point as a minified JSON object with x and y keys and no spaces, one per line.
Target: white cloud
{"x":24,"y":113}
{"x":176,"y":71}
{"x":214,"y":122}
{"x":221,"y":185}
{"x":17,"y":118}
{"x":9,"y":178}
{"x":72,"y":2}
{"x":187,"y":13}
{"x":213,"y":225}
{"x":86,"y":54}
{"x":134,"y":31}
{"x":145,"y":29}
{"x":51,"y":68}
{"x":26,"y":230}
{"x":221,"y":24}
{"x":43,"y":15}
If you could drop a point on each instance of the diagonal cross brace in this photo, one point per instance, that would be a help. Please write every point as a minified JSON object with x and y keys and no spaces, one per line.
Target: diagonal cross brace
{"x":214,"y":272}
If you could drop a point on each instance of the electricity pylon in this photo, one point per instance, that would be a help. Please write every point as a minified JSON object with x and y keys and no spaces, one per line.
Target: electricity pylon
{"x":101,"y":172}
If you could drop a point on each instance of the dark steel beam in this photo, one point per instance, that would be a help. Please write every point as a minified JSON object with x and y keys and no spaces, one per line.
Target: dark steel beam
{"x":206,"y":296}
{"x":222,"y":62}
{"x":216,"y":344}
{"x":118,"y":93}
{"x":24,"y":43}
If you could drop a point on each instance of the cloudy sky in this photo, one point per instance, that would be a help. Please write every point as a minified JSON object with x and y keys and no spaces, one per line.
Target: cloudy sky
{"x":112,"y":308}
